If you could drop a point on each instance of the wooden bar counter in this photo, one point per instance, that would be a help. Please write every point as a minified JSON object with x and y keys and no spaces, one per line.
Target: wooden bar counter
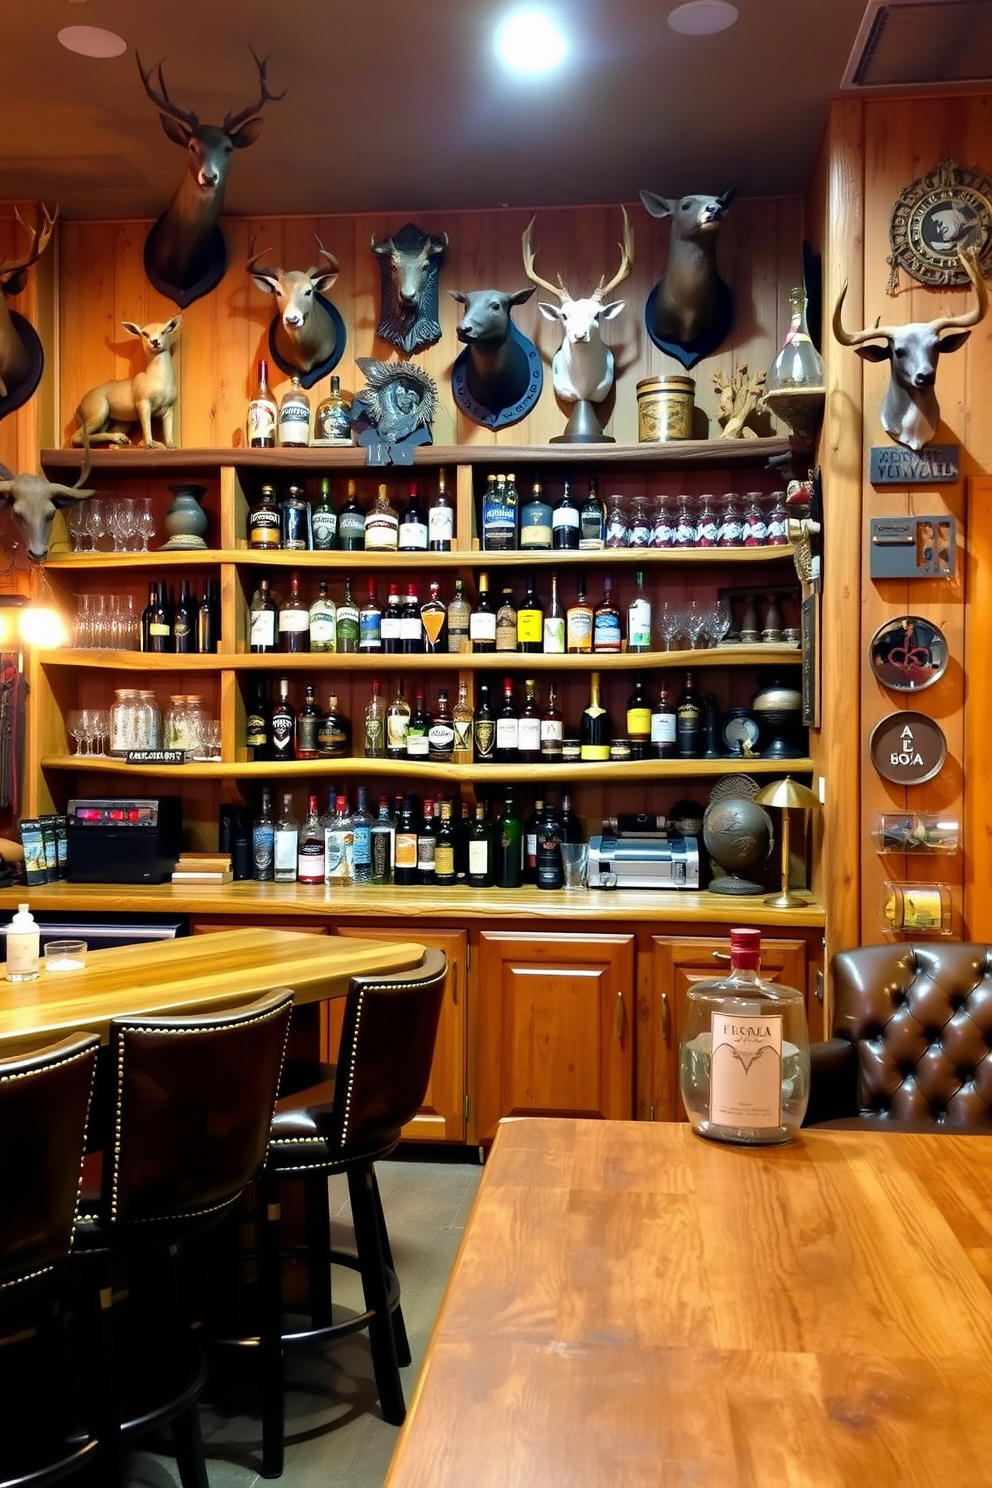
{"x":635,"y":1306}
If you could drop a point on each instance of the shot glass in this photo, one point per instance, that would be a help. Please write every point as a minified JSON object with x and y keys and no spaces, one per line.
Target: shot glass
{"x":65,"y":955}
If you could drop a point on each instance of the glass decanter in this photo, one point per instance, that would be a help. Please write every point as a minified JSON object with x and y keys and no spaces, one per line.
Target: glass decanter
{"x":795,"y":387}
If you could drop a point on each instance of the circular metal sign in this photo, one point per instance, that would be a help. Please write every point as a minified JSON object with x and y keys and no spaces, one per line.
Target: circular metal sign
{"x":938,"y":214}
{"x":907,"y":748}
{"x":908,"y":653}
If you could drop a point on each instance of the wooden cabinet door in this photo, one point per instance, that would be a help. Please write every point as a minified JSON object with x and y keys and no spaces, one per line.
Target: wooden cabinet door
{"x":667,"y":972}
{"x":555,"y":1026}
{"x":442,"y":1116}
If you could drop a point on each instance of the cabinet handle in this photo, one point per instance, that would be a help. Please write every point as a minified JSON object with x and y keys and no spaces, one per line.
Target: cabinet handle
{"x":454,"y":983}
{"x":721,"y":955}
{"x":619,"y":1015}
{"x":665,"y":1018}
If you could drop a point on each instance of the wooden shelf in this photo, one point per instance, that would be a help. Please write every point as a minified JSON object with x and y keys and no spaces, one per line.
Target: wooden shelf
{"x":475,"y":558}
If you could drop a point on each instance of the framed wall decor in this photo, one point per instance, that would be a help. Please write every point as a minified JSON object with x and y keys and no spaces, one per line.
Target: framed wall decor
{"x":934,"y":217}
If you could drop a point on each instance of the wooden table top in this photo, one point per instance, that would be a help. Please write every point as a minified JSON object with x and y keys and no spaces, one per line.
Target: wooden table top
{"x":190,"y":974}
{"x":635,"y":1306}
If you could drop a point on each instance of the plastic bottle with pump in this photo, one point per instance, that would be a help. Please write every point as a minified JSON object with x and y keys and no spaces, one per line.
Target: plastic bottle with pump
{"x":23,"y":946}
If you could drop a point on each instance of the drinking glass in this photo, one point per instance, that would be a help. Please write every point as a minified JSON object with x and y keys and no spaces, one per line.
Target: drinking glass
{"x":718,"y":619}
{"x":96,"y":521}
{"x":694,"y":622}
{"x":74,"y":728}
{"x":669,"y":621}
{"x":145,"y":516}
{"x":82,"y":630}
{"x":75,"y":525}
{"x":90,"y":725}
{"x":101,"y":730}
{"x":575,"y":864}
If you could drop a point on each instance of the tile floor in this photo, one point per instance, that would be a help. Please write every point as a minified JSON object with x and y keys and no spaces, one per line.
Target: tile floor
{"x":335,"y":1435}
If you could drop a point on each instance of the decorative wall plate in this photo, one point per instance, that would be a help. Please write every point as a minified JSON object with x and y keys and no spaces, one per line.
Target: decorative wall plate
{"x":934,"y":217}
{"x":907,"y":748}
{"x":908,"y":653}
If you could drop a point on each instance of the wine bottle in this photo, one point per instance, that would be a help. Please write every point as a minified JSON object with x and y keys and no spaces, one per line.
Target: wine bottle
{"x":310,"y":851}
{"x":552,"y":729}
{"x":530,"y":620}
{"x":506,"y":623}
{"x":459,"y":615}
{"x":426,"y":844}
{"x":346,"y":622}
{"x":262,"y":620}
{"x":444,"y":848}
{"x":463,"y":720}
{"x":159,"y":623}
{"x":441,"y":519}
{"x":411,"y":624}
{"x":639,"y":720}
{"x":258,"y":724}
{"x":382,"y":836}
{"x":370,"y":623}
{"x":535,"y":520}
{"x":361,"y":835}
{"x":405,"y":857}
{"x":554,"y":624}
{"x":325,"y":520}
{"x":594,"y":731}
{"x":529,"y":726}
{"x":389,"y":629}
{"x":286,"y":842}
{"x":639,"y":618}
{"x":381,"y":525}
{"x":530,"y":842}
{"x":480,"y":851}
{"x":307,"y":729}
{"x":565,"y":521}
{"x":688,"y":720}
{"x":323,"y":621}
{"x":263,"y":835}
{"x":550,"y":874}
{"x":146,"y":617}
{"x":397,"y":724}
{"x":507,"y":728}
{"x":294,"y":620}
{"x":592,"y":520}
{"x":260,"y":425}
{"x":332,"y":421}
{"x":606,"y":636}
{"x":264,"y":526}
{"x":578,"y":622}
{"x":663,"y":742}
{"x":375,"y":725}
{"x":283,"y":725}
{"x":441,"y":734}
{"x":351,"y":523}
{"x":334,"y":732}
{"x":508,"y":852}
{"x":418,"y":731}
{"x":484,"y":728}
{"x":412,"y":535}
{"x":208,"y":619}
{"x":293,"y":429}
{"x":482,"y":621}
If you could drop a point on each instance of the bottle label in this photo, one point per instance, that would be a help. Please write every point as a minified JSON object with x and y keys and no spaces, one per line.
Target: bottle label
{"x":478,"y":859}
{"x":638,"y":722}
{"x":530,"y":627}
{"x":412,"y":537}
{"x":485,"y":738}
{"x":261,"y":422}
{"x":332,"y":741}
{"x":506,"y":635}
{"x":440,"y":525}
{"x":482,"y":626}
{"x":507,"y":733}
{"x":22,"y":952}
{"x":307,"y":734}
{"x":325,"y":529}
{"x":294,"y":621}
{"x":441,"y":739}
{"x":390,"y":628}
{"x":463,"y":736}
{"x":381,"y":531}
{"x":264,"y":529}
{"x":156,"y":628}
{"x":499,"y":527}
{"x":444,"y":860}
{"x":284,"y":853}
{"x":255,"y":731}
{"x":639,"y":625}
{"x":662,"y":728}
{"x":535,"y":526}
{"x":417,"y":745}
{"x":347,"y":627}
{"x":554,"y":635}
{"x":606,"y":632}
{"x":579,"y":629}
{"x":397,"y":725}
{"x":426,"y":853}
{"x":746,"y":1071}
{"x":382,"y":855}
{"x":406,"y":849}
{"x":351,"y":526}
{"x":362,"y":846}
{"x":338,"y":848}
{"x":262,"y":849}
{"x":529,"y":735}
{"x":310,"y":860}
{"x":332,"y":423}
{"x":323,"y":630}
{"x":263,"y":628}
{"x":370,"y":630}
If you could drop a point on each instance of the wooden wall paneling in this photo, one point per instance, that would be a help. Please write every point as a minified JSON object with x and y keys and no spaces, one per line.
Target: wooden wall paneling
{"x":23,"y":432}
{"x":977,"y":820}
{"x":92,"y":341}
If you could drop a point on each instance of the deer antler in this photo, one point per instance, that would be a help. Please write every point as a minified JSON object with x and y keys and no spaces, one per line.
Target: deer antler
{"x":626,"y":260}
{"x":40,"y":234}
{"x":528,"y":255}
{"x":233,"y":121}
{"x":324,"y":253}
{"x":971,"y":317}
{"x":161,"y":98}
{"x":251,"y":266}
{"x":855,"y":338}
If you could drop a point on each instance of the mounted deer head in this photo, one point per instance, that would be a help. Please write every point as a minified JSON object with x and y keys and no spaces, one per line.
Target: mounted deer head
{"x":690,"y":310}
{"x":409,"y":262}
{"x":182,"y":249}
{"x":16,"y":356}
{"x":34,"y":502}
{"x":305,"y":333}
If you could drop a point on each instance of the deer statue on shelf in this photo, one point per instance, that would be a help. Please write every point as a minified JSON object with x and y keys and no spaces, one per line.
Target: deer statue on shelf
{"x":21,"y":357}
{"x":108,"y":411}
{"x":306,"y":333}
{"x":583,"y":366}
{"x":185,"y":256}
{"x":910,"y":412}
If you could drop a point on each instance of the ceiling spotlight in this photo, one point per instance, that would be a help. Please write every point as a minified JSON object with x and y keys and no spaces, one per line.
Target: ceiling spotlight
{"x":530,"y":41}
{"x":703,"y":17}
{"x":92,"y":41}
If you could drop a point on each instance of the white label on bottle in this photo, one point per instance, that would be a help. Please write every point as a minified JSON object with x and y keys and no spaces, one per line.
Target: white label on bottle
{"x":286,"y":850}
{"x":639,"y":625}
{"x":294,"y":620}
{"x":441,"y":524}
{"x":323,"y":630}
{"x":746,"y":1070}
{"x":554,"y":635}
{"x":482,"y":625}
{"x":478,"y":859}
{"x":529,"y":735}
{"x":412,"y":537}
{"x":507,"y":733}
{"x":381,"y":530}
{"x":22,"y":953}
{"x":662,"y":728}
{"x":263,"y":628}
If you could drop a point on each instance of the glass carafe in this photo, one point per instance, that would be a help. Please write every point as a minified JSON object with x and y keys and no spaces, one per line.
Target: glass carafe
{"x":795,"y":387}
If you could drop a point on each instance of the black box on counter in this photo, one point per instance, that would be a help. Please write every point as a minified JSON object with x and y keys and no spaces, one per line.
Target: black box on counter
{"x":124,"y":840}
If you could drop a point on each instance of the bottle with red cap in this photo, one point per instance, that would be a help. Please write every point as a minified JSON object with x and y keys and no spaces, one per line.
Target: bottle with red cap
{"x":744,"y":1055}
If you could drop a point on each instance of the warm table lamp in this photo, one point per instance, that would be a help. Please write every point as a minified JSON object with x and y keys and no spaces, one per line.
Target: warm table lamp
{"x":785,"y":794}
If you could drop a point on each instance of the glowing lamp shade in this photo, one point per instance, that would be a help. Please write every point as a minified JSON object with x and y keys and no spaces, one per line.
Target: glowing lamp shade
{"x":530,"y":41}
{"x":42,"y":626}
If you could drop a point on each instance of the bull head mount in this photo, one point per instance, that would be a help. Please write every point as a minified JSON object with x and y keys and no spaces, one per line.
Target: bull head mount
{"x":185,"y":254}
{"x":497,"y":379}
{"x":307,"y":335}
{"x":910,"y":412}
{"x":409,"y":263}
{"x":21,"y":357}
{"x":690,"y":310}
{"x":34,"y":502}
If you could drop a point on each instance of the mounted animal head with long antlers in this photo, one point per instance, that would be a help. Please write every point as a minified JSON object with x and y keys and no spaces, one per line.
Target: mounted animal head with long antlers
{"x":582,"y":367}
{"x":305,"y":333}
{"x":15,"y":355}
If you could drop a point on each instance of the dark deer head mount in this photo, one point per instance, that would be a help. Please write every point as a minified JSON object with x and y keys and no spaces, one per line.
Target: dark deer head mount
{"x":21,"y":357}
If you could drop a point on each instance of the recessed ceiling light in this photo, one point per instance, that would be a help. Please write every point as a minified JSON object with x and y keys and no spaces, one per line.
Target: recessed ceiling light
{"x":530,"y":41}
{"x":703,"y":17}
{"x":92,"y":41}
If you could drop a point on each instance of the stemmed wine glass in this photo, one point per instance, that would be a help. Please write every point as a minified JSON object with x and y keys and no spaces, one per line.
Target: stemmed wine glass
{"x":669,"y":621}
{"x":718,"y":619}
{"x":694,"y":622}
{"x":75,"y":524}
{"x":96,"y":521}
{"x":145,"y":515}
{"x":74,"y":728}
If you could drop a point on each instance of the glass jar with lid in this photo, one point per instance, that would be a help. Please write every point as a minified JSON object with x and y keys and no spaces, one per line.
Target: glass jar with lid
{"x":184,"y":724}
{"x":149,"y":721}
{"x":124,"y":721}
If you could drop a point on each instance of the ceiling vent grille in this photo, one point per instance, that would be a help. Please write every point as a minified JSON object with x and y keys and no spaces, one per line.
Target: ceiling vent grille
{"x":902,"y":43}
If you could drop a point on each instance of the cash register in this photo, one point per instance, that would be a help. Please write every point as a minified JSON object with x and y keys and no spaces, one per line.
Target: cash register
{"x":639,"y":852}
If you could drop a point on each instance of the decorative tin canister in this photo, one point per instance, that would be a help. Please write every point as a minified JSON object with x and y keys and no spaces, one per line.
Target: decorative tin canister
{"x":664,"y":408}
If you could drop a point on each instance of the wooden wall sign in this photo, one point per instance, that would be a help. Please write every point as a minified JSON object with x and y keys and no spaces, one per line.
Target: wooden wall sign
{"x":895,"y":465}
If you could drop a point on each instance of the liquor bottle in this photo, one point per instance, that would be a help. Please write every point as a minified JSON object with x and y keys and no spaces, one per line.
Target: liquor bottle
{"x":482,"y":621}
{"x":459,"y":614}
{"x":146,"y":617}
{"x":444,"y":848}
{"x":499,"y":516}
{"x":553,"y":637}
{"x":389,"y":628}
{"x":565,"y":521}
{"x":370,"y":623}
{"x":293,"y":430}
{"x":529,"y":726}
{"x":639,"y":720}
{"x":332,"y":421}
{"x":594,"y":730}
{"x":159,"y":621}
{"x":464,"y":721}
{"x":549,"y":866}
{"x":294,"y":620}
{"x":757,"y":1090}
{"x":606,"y":634}
{"x":688,"y":721}
{"x":507,"y":728}
{"x":441,"y":734}
{"x":286,"y":843}
{"x":327,"y":822}
{"x":418,"y":730}
{"x":294,"y":521}
{"x":208,"y":619}
{"x":334,"y":732}
{"x":258,"y":724}
{"x":578,"y":622}
{"x":530,"y":620}
{"x":463,"y":826}
{"x":480,"y":851}
{"x":405,"y":856}
{"x":535,"y":520}
{"x":663,"y":742}
{"x":411,"y":625}
{"x":262,"y":621}
{"x":639,"y":618}
{"x":571,"y":826}
{"x":361,"y":834}
{"x":552,"y":729}
{"x":263,"y":837}
{"x":381,"y":525}
{"x":339,"y":845}
{"x":433,"y":619}
{"x":283,"y":725}
{"x":351,"y":523}
{"x":184,"y":621}
{"x":264,"y":525}
{"x":441,"y":519}
{"x":592,"y":520}
{"x":307,"y":731}
{"x":397,"y":724}
{"x":530,"y":842}
{"x":260,"y":425}
{"x":325,"y":520}
{"x":375,"y":725}
{"x":426,"y":844}
{"x":346,"y":621}
{"x":383,"y":833}
{"x":484,"y":728}
{"x":506,"y":623}
{"x":310,"y":857}
{"x":412,"y":535}
{"x":323,"y":621}
{"x":508,"y":847}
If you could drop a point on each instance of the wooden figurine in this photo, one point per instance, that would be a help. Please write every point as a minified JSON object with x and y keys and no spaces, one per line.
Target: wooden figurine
{"x":739,"y":397}
{"x":108,"y":411}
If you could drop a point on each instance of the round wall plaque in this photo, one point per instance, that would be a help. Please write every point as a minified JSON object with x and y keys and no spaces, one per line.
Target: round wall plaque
{"x":908,"y":653}
{"x":935,"y":216}
{"x":907,"y":748}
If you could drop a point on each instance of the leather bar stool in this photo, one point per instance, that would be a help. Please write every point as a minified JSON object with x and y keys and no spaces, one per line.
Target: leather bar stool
{"x":44,"y":1105}
{"x":193,"y":1102}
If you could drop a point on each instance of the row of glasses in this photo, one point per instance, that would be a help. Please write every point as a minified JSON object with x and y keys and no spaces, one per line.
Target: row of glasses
{"x":90,"y":728}
{"x":109,"y":622}
{"x":124,"y":525}
{"x":700,"y":623}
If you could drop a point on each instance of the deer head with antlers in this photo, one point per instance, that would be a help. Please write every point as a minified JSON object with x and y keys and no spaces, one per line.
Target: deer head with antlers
{"x":20,"y":349}
{"x":304,"y":333}
{"x":184,"y":252}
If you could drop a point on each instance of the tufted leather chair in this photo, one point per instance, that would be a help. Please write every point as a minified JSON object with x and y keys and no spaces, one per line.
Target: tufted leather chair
{"x":912,"y":1034}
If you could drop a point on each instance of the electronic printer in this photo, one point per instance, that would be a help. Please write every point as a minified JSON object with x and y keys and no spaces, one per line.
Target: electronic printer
{"x":638,"y":852}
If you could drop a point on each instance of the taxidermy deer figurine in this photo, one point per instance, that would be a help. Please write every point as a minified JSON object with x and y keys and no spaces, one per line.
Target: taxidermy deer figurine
{"x":689,"y":311}
{"x":910,"y":413}
{"x":179,"y":246}
{"x":305,"y":334}
{"x":14,"y":359}
{"x":106,"y":412}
